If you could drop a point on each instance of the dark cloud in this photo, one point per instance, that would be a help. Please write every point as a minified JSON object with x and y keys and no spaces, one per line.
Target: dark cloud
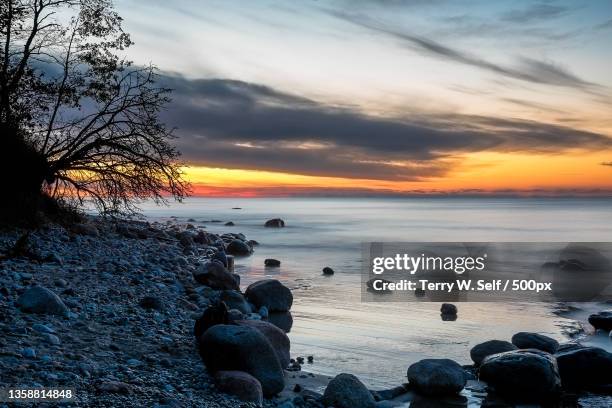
{"x":235,"y":124}
{"x":606,"y":163}
{"x":535,"y":12}
{"x":528,"y":69}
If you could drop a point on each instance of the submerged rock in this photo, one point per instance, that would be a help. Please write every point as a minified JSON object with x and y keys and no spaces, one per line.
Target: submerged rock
{"x":526,"y":340}
{"x":38,"y":299}
{"x":437,"y":377}
{"x":275,"y":223}
{"x":228,"y":348}
{"x":271,"y":294}
{"x":272,"y":262}
{"x":601,"y":320}
{"x":346,"y":391}
{"x":522,"y":375}
{"x":480,"y":351}
{"x":241,"y":385}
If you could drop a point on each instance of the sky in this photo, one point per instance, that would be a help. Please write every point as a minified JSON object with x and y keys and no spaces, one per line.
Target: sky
{"x":384,"y":97}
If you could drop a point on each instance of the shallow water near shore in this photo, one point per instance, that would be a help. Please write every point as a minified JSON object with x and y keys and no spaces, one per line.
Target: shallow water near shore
{"x":378,"y":341}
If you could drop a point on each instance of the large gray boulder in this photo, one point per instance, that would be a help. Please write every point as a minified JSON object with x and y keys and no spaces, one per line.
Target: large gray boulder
{"x":584,"y":367}
{"x":527,"y":340}
{"x":480,"y":351}
{"x":242,"y":348}
{"x":437,"y":377}
{"x":278,"y":339}
{"x":271,"y":294}
{"x":242,"y":385}
{"x":38,"y":299}
{"x":522,"y":375}
{"x":346,"y":391}
{"x":216,"y":276}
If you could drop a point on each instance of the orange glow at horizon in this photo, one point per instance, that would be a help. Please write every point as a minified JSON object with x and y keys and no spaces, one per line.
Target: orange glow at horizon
{"x":488,"y":172}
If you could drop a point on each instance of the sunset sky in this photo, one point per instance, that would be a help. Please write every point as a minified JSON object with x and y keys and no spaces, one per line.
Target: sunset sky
{"x":354,"y":97}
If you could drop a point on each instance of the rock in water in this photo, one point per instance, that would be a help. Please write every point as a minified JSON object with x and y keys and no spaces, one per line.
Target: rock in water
{"x":522,"y":375}
{"x":328,"y":271}
{"x":235,"y":300}
{"x":448,"y":309}
{"x":585,"y":367}
{"x":282,"y":320}
{"x":216,"y":276}
{"x":437,"y":377}
{"x":216,"y":314}
{"x":272,"y":262}
{"x":277,"y":338}
{"x":275,"y":223}
{"x":346,"y":391}
{"x":601,"y":320}
{"x":41,"y":300}
{"x":238,"y":247}
{"x":228,"y":347}
{"x":271,"y":294}
{"x":526,"y":340}
{"x":240,"y":384}
{"x":480,"y":351}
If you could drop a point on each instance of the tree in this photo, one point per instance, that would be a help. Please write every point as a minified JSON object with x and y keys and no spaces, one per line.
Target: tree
{"x":78,"y":120}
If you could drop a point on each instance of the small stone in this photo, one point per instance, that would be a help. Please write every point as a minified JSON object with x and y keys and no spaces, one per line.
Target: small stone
{"x":41,"y":328}
{"x":310,"y":359}
{"x":51,"y":339}
{"x":271,"y":262}
{"x":151,"y":302}
{"x":28,"y":352}
{"x":328,"y":271}
{"x":41,"y":300}
{"x":448,"y":309}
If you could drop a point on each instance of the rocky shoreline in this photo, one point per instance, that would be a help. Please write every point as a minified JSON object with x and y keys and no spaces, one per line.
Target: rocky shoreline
{"x":133,"y":313}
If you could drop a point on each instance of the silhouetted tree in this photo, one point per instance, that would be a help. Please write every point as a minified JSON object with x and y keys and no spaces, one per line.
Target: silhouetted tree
{"x":77,"y":119}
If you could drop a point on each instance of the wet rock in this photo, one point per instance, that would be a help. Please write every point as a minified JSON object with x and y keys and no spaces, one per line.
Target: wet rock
{"x":272,"y":262}
{"x":278,"y":339}
{"x":328,"y":271}
{"x":235,"y":300}
{"x":242,"y":348}
{"x":239,"y":248}
{"x":271,"y":294}
{"x":275,"y":223}
{"x":585,"y":367}
{"x":38,"y":299}
{"x":522,"y":375}
{"x":436,"y":377}
{"x":241,"y":385}
{"x":216,"y":276}
{"x":480,"y":351}
{"x":346,"y":391}
{"x":448,"y":309}
{"x":601,"y":320}
{"x":282,"y":320}
{"x":41,"y":328}
{"x":151,"y":302}
{"x":229,"y":224}
{"x":526,"y":340}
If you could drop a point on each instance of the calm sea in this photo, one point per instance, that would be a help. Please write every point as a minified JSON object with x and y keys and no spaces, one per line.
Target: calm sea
{"x":378,"y":341}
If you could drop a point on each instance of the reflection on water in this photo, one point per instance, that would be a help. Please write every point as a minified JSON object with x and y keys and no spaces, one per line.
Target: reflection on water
{"x":378,"y":341}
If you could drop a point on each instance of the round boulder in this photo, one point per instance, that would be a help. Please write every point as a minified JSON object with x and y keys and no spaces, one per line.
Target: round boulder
{"x":239,"y":248}
{"x":601,"y":320}
{"x":480,"y":351}
{"x":277,"y":338}
{"x":584,"y":367}
{"x":242,"y":348}
{"x":242,"y":385}
{"x":271,"y":294}
{"x":275,"y":223}
{"x":522,"y":375}
{"x":41,"y":300}
{"x":216,"y":276}
{"x":526,"y":340}
{"x":346,"y":391}
{"x":437,"y":377}
{"x":328,"y":271}
{"x":448,"y":309}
